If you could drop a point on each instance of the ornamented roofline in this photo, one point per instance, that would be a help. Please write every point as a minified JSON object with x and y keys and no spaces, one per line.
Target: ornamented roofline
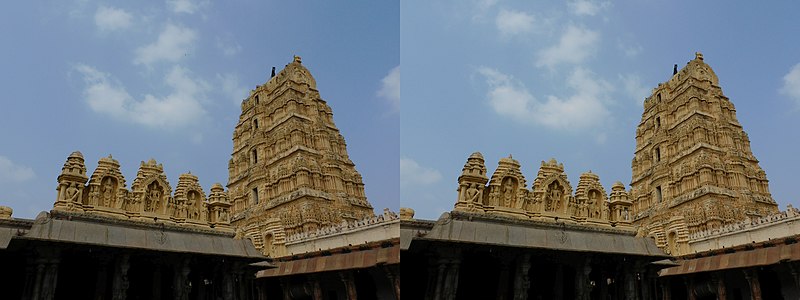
{"x":151,"y":198}
{"x":791,"y":213}
{"x":345,"y":227}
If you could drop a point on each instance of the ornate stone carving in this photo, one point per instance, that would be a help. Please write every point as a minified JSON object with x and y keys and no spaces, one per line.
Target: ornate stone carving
{"x":6,"y":212}
{"x":693,"y":159}
{"x":71,"y":184}
{"x":550,"y":199}
{"x":290,"y":161}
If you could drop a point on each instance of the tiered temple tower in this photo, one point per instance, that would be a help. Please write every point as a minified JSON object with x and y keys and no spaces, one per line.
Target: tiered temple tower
{"x":693,"y":169}
{"x":290,"y":172}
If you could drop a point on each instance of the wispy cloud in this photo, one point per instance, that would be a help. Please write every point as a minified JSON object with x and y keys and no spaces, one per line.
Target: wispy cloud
{"x":186,"y":6}
{"x":587,"y":7}
{"x":390,"y":88}
{"x":11,"y":172}
{"x":229,"y":48}
{"x":583,"y":109}
{"x":173,"y":43}
{"x":411,"y":173}
{"x":511,"y":22}
{"x":575,"y":45}
{"x":181,"y":107}
{"x":232,"y":88}
{"x":111,"y":19}
{"x":791,"y":84}
{"x":633,"y":86}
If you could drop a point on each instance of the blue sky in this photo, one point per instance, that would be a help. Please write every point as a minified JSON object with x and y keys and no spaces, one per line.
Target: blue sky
{"x":566,"y":80}
{"x":164,"y":79}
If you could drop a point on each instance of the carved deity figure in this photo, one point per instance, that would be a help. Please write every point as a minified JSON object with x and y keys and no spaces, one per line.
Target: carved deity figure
{"x":472,"y":193}
{"x":508,"y":192}
{"x":108,"y":192}
{"x":553,"y":201}
{"x":192,"y":206}
{"x":153,"y":198}
{"x":71,"y":194}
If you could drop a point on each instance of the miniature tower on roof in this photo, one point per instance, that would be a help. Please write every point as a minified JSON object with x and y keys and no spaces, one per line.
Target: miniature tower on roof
{"x":289,"y":171}
{"x":693,"y":168}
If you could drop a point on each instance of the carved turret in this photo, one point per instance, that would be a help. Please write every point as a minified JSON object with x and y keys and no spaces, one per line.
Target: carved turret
{"x":151,"y":191}
{"x":219,"y":208}
{"x":71,"y":184}
{"x":107,"y":190}
{"x":471,"y":184}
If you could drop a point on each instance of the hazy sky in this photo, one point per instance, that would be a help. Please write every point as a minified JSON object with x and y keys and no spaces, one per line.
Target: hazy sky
{"x":566,"y":80}
{"x":164,"y":80}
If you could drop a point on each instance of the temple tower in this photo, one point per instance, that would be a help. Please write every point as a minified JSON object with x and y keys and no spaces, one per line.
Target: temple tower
{"x":693,"y":168}
{"x":290,"y":172}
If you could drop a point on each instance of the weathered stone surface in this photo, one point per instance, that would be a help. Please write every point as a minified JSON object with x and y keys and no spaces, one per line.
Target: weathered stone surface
{"x":550,"y":198}
{"x":693,"y":169}
{"x":290,"y":172}
{"x":150,"y":199}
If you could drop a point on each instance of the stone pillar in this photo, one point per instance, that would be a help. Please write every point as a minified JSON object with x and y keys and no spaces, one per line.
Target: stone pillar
{"x":502,"y":281}
{"x":558,"y":288}
{"x":46,"y":278}
{"x":349,"y":285}
{"x":630,"y":284}
{"x":451,"y":279}
{"x":689,"y":287}
{"x":795,"y":267}
{"x":582,"y":288}
{"x":394,"y":278}
{"x":440,"y":271}
{"x":666,"y":292}
{"x":719,"y":282}
{"x":432,"y":283}
{"x":755,"y":286}
{"x":157,"y":282}
{"x":286,"y":288}
{"x":521,"y":279}
{"x":102,"y":278}
{"x":30,"y":280}
{"x":316,"y":288}
{"x":180,"y":280}
{"x":120,"y":285}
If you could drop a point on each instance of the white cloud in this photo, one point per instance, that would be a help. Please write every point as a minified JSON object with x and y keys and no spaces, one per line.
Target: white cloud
{"x":411,"y":173}
{"x":634,"y":88}
{"x":229,"y":48}
{"x":232,"y":88}
{"x":186,"y":6}
{"x":390,"y":88}
{"x":630,"y":50}
{"x":172,"y":45}
{"x":180,"y":108}
{"x":14,"y":173}
{"x":791,"y":83}
{"x":110,"y":19}
{"x":584,"y":109}
{"x":575,"y":45}
{"x":510,"y":22}
{"x":586,"y":7}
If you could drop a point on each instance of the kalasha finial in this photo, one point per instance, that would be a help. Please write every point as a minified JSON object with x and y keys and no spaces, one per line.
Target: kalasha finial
{"x":698,"y":55}
{"x":298,"y":60}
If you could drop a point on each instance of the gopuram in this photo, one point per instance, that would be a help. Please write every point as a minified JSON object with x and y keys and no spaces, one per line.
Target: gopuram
{"x":297,"y":195}
{"x":504,"y":240}
{"x":289,"y":172}
{"x":693,"y":169}
{"x":102,"y":240}
{"x":699,"y":192}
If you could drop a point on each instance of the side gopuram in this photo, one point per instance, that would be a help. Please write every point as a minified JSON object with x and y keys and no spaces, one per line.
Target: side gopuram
{"x":693,"y":169}
{"x":289,"y":172}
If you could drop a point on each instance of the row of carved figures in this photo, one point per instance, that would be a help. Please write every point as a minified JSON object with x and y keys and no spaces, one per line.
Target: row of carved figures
{"x":150,"y":193}
{"x":550,"y":193}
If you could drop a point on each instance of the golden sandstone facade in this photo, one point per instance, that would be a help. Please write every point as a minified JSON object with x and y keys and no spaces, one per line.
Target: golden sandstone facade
{"x":150,"y":199}
{"x":551,"y":197}
{"x":290,"y":172}
{"x":693,"y":169}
